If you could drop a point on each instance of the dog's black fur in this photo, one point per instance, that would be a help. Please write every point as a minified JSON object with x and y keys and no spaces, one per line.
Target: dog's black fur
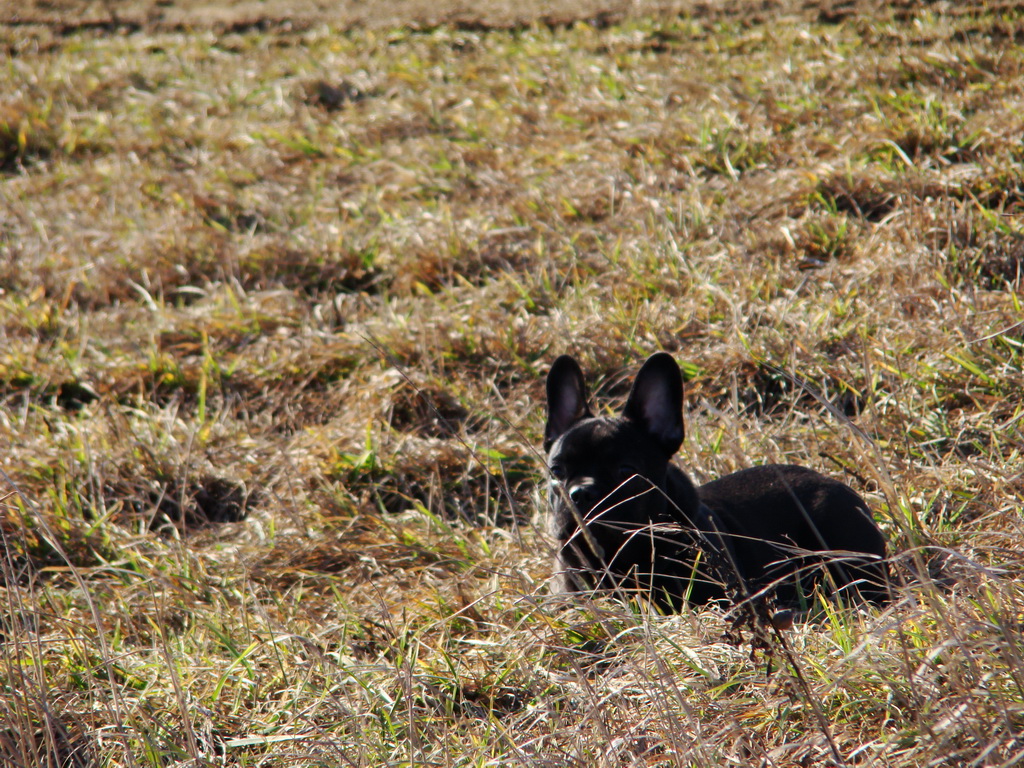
{"x":646,"y":528}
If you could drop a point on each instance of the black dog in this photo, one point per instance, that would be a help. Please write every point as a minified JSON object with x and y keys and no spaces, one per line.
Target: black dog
{"x":626,"y":518}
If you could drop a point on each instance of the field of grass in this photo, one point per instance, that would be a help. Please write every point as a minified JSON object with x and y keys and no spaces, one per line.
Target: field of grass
{"x":276,"y":305}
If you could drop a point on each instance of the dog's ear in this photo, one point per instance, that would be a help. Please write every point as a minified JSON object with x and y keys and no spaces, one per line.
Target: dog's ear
{"x":656,"y":401}
{"x":567,"y":398}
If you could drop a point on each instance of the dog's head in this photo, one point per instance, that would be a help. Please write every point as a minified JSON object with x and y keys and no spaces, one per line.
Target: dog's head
{"x":609,"y":473}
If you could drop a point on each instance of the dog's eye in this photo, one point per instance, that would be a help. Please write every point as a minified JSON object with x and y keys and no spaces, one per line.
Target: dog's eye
{"x":627,"y":471}
{"x":557,"y":471}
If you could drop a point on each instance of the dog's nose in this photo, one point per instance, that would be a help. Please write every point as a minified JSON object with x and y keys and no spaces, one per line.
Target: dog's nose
{"x":583,"y":496}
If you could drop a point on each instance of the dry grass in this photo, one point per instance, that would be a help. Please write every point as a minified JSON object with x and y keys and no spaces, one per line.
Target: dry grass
{"x":275,"y":310}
